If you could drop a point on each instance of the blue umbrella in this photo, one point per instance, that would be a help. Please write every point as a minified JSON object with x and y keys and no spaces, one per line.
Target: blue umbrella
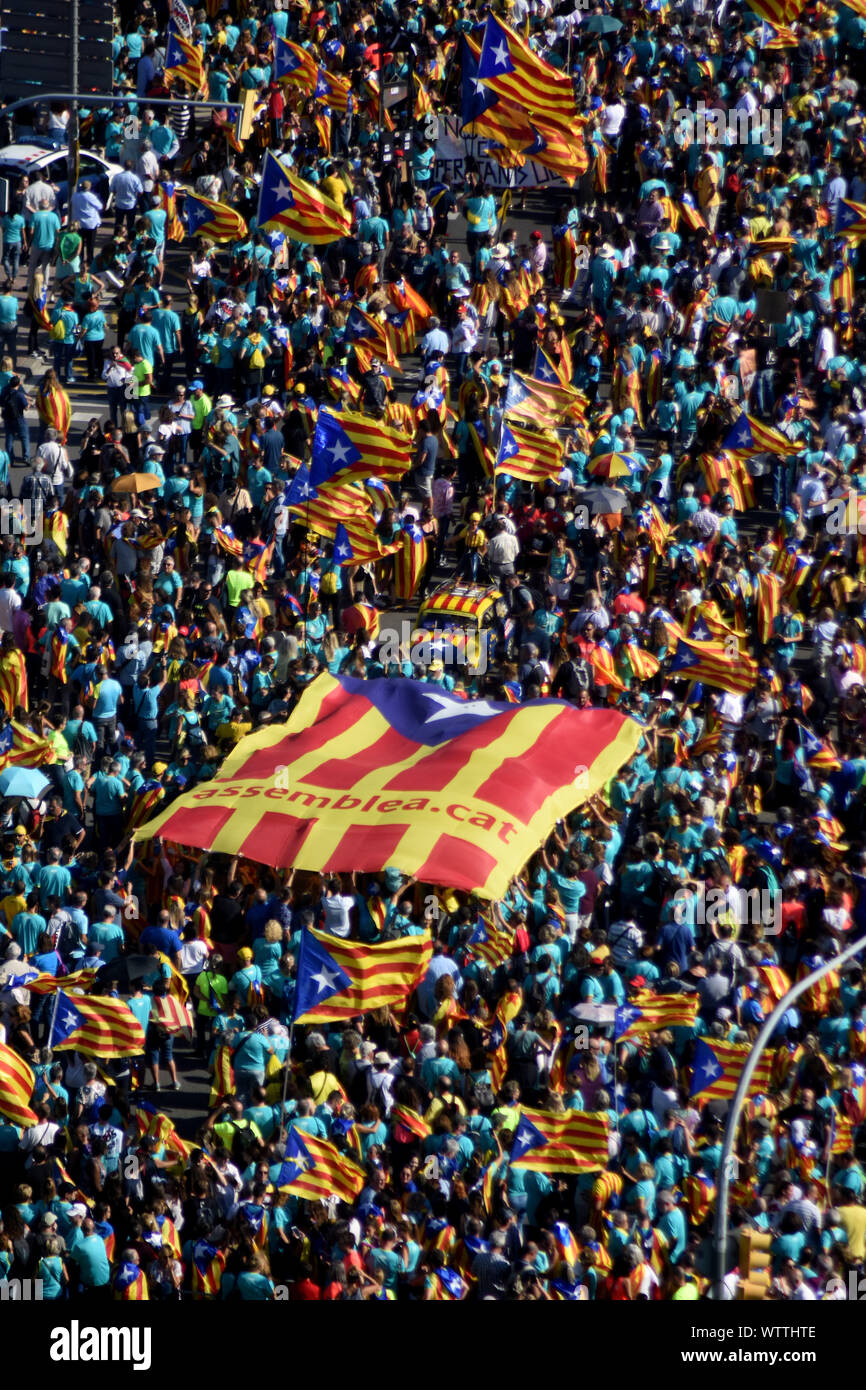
{"x":23,"y":781}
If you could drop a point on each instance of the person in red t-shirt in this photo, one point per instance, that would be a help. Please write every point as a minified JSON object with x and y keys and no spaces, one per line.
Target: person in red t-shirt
{"x":303,"y":1290}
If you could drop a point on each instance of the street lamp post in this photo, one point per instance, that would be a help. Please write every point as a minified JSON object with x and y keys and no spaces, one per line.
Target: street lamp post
{"x":720,"y":1236}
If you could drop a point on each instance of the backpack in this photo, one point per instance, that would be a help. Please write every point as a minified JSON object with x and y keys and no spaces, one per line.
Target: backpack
{"x":329,"y":582}
{"x":257,"y":359}
{"x":58,"y":331}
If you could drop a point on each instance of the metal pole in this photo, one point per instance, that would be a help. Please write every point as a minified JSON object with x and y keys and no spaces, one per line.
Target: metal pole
{"x":72,"y":163}
{"x":100,"y":98}
{"x":720,"y":1236}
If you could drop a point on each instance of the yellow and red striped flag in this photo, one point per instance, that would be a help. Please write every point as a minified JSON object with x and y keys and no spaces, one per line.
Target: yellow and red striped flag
{"x":16,"y":1088}
{"x":96,"y":1026}
{"x":544,"y":403}
{"x":533,"y":455}
{"x":409,"y":561}
{"x":403,"y":296}
{"x":567,"y":1142}
{"x":47,"y":984}
{"x":403,"y":773}
{"x":313,"y":1168}
{"x":408,"y":1125}
{"x":341,"y":979}
{"x":726,"y":472}
{"x":184,"y":59}
{"x":301,"y":211}
{"x":54,"y":408}
{"x":712,"y":664}
{"x":779,"y":13}
{"x":769,"y":588}
{"x":490,"y":943}
{"x":223,"y":1083}
{"x":208,"y":1264}
{"x":648,"y":1012}
{"x":509,"y":67}
{"x":294,"y":64}
{"x":748,"y":436}
{"x":350,"y":447}
{"x":168,"y":200}
{"x":17,"y":742}
{"x":717,"y":1068}
{"x":206,"y":217}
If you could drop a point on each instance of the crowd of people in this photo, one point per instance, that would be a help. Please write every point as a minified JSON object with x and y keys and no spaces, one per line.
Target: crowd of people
{"x":167,"y":592}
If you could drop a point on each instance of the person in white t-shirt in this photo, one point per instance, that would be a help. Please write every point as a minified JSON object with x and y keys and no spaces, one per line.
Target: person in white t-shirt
{"x":336,"y":906}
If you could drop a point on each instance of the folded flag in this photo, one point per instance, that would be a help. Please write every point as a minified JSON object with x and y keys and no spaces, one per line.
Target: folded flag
{"x":206,"y":217}
{"x":341,"y":979}
{"x":408,"y":1125}
{"x":494,"y":945}
{"x":16,"y":1088}
{"x":717,"y":1068}
{"x":393,"y":772}
{"x":314,"y":1169}
{"x":288,"y":204}
{"x":206,"y":1274}
{"x":96,"y":1026}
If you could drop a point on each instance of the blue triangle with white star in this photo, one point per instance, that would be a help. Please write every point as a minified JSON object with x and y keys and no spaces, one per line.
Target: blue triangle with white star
{"x":526,"y":1138}
{"x":707,"y":1068}
{"x":333,"y":450}
{"x":319,"y":975}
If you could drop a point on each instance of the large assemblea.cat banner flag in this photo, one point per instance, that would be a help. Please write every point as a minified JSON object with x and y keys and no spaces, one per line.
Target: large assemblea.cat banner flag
{"x":371,"y":773}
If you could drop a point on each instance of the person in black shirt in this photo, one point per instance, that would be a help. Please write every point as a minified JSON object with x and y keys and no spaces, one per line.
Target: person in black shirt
{"x":59,"y":823}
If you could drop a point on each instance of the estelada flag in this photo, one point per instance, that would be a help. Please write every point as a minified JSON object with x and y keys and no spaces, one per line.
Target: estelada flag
{"x":717,"y":1068}
{"x":206,"y":217}
{"x":313,"y":1168}
{"x":748,"y":436}
{"x":369,"y":773}
{"x":567,"y":1142}
{"x":541,"y":402}
{"x":509,"y":67}
{"x":529,"y":454}
{"x":349,"y":447}
{"x":184,"y":59}
{"x":301,"y":211}
{"x":711,"y":664}
{"x":96,"y":1026}
{"x":294,"y":64}
{"x":16,"y":1088}
{"x":341,"y":979}
{"x":649,"y":1012}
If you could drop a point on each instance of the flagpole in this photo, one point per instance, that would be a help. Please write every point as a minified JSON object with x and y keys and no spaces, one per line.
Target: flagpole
{"x":287,"y":1073}
{"x":53,"y":1017}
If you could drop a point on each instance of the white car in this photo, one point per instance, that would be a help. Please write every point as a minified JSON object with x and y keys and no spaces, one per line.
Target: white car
{"x":50,"y":165}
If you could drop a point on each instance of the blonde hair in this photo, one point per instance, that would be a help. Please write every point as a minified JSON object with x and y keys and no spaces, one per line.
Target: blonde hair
{"x":273,"y":930}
